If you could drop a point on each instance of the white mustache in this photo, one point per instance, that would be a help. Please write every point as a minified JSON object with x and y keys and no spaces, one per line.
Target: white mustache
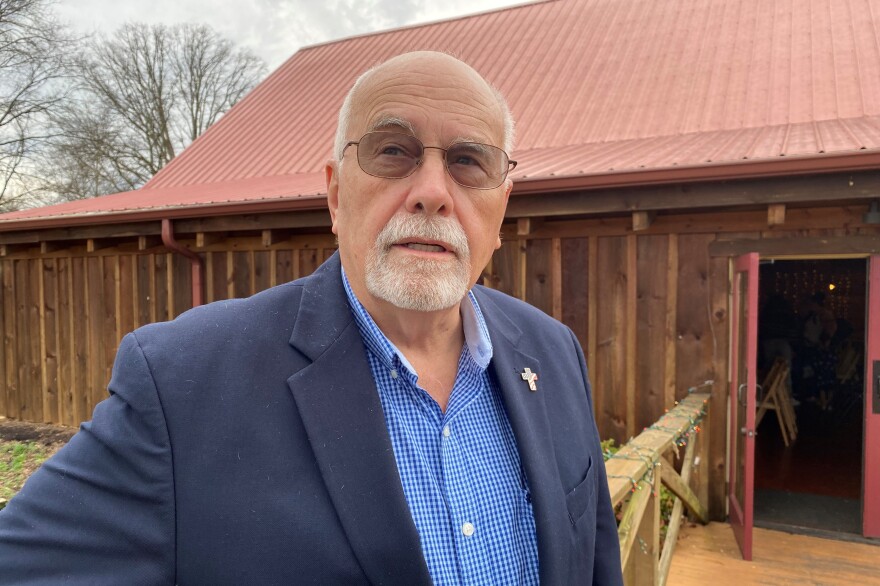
{"x":436,"y":228}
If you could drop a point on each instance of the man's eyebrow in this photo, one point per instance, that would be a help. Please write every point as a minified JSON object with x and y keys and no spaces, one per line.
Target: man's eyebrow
{"x":387,"y":122}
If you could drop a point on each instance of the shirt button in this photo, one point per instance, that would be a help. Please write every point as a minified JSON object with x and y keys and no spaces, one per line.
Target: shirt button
{"x":467,"y":529}
{"x":393,"y":373}
{"x":446,"y":432}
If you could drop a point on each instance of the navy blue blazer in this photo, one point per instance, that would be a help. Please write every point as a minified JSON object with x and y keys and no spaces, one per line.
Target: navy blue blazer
{"x":244,"y":443}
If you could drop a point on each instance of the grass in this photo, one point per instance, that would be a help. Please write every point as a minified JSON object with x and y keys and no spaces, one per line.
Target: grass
{"x":18,"y":460}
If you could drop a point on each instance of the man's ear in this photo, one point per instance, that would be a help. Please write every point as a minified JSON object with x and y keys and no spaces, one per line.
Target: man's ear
{"x":331,"y":174}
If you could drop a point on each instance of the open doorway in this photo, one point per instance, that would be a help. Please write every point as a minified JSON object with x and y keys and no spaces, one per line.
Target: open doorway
{"x":812,"y":318}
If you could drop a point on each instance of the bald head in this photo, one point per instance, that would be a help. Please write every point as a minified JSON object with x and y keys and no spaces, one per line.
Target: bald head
{"x":427,"y":64}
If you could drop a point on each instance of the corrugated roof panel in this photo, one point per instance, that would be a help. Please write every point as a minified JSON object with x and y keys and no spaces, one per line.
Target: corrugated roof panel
{"x":580,"y":72}
{"x":596,"y":86}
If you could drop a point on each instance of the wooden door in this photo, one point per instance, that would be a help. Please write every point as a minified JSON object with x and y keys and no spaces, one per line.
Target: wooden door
{"x":871,"y":450}
{"x":743,"y":361}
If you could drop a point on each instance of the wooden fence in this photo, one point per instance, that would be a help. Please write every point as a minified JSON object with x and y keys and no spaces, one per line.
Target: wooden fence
{"x":64,"y":313}
{"x":650,"y":307}
{"x":635,"y":474}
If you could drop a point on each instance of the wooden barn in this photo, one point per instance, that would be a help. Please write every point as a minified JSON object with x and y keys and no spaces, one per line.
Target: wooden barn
{"x":681,"y":165}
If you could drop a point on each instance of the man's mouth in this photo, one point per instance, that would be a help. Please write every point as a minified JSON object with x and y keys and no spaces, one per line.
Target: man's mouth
{"x":424,"y":247}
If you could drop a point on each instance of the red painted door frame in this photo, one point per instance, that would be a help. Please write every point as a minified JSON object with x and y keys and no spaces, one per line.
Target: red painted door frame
{"x":744,"y":353}
{"x":871,"y":448}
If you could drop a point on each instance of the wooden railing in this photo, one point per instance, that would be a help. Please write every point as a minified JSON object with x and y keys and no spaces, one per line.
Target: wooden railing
{"x":635,"y":474}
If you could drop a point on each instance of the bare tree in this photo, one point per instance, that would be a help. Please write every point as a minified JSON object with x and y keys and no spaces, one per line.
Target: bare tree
{"x":33,"y":49}
{"x":146,"y":93}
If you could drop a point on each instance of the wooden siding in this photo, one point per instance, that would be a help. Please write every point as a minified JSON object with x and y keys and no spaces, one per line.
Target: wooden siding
{"x":64,"y":314}
{"x":650,"y":308}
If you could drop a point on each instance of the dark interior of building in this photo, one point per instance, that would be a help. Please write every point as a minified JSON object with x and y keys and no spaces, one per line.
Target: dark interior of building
{"x":812,"y":316}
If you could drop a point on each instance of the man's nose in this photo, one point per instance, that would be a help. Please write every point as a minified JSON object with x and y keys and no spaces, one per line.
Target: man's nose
{"x":431,"y":188}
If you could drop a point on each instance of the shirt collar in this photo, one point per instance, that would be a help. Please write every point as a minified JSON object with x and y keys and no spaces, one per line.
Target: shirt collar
{"x":476,"y":334}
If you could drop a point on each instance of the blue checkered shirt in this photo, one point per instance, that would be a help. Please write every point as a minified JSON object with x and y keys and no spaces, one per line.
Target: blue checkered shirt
{"x":460,"y":470}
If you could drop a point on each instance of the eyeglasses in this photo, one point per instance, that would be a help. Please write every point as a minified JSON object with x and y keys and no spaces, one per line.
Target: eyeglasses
{"x":394,"y":155}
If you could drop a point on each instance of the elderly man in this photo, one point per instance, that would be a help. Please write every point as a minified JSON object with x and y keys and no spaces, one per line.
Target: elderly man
{"x":382,"y":421}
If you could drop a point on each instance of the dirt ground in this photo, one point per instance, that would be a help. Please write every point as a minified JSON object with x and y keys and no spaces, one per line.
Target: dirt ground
{"x":45,"y":434}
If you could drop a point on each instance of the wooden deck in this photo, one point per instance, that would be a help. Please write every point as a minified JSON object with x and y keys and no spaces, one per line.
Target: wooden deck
{"x":709,"y":555}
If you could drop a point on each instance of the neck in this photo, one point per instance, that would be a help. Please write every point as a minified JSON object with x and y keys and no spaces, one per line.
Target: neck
{"x":430,"y":340}
{"x":417,"y":331}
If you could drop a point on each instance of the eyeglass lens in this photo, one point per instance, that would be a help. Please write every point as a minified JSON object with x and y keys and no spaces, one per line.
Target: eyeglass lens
{"x":395,"y":155}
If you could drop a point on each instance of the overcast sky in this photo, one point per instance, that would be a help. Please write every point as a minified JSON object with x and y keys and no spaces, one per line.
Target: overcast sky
{"x":273,"y":29}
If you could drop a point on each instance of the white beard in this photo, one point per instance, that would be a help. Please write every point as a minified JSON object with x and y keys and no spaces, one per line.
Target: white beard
{"x":414,"y":283}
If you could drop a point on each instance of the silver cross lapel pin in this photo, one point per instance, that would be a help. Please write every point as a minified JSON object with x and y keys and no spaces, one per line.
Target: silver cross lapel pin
{"x":531,"y":378}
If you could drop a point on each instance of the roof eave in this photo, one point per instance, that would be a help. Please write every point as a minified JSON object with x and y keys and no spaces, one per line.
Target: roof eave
{"x":265,"y":206}
{"x":746,"y":169}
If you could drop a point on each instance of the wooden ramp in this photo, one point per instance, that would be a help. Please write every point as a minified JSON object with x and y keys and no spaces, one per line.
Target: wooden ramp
{"x":709,"y":555}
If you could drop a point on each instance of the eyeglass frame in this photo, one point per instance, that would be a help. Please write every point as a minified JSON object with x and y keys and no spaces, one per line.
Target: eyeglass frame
{"x":511,"y":164}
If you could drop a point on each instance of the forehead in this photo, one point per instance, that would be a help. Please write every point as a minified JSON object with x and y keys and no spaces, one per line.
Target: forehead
{"x":439,"y":102}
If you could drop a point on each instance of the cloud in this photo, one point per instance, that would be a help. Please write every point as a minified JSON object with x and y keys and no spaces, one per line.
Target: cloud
{"x":273,"y":29}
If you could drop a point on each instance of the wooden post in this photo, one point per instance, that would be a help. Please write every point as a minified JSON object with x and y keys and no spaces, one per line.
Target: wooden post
{"x":646,"y":549}
{"x":776,"y":214}
{"x":643,"y":220}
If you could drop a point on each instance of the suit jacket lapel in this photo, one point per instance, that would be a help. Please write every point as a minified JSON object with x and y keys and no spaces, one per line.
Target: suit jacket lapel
{"x":340,"y":408}
{"x":528,"y":418}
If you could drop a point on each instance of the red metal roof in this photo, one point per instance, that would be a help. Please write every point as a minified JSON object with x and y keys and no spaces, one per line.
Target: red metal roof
{"x":605,"y":92}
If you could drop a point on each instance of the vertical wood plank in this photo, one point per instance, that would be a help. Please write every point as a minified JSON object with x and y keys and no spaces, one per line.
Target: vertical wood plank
{"x":170,"y":288}
{"x":49,"y":335}
{"x":556,"y":278}
{"x":4,"y":268}
{"x":610,"y":385}
{"x":283,"y":266}
{"x":31,"y":371}
{"x":160,"y":281}
{"x":230,"y":274}
{"x":593,"y":312}
{"x":575,"y":288}
{"x":273,"y":267}
{"x":125,"y":295}
{"x":209,"y":277}
{"x":538,"y":285}
{"x":252,"y":263}
{"x":109,"y":324}
{"x":263,"y":269}
{"x":696,"y":339}
{"x":41,"y":332}
{"x":297,"y":271}
{"x":651,"y":317}
{"x":308,"y":261}
{"x":631,"y":347}
{"x":153,"y":267}
{"x":145,"y":294}
{"x":22,"y":338}
{"x":65,"y":342}
{"x":671,"y":337}
{"x":135,"y":292}
{"x":95,"y":315}
{"x":10,"y":349}
{"x":181,"y":276}
{"x":219,"y":282}
{"x":80,"y":341}
{"x":241,"y":274}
